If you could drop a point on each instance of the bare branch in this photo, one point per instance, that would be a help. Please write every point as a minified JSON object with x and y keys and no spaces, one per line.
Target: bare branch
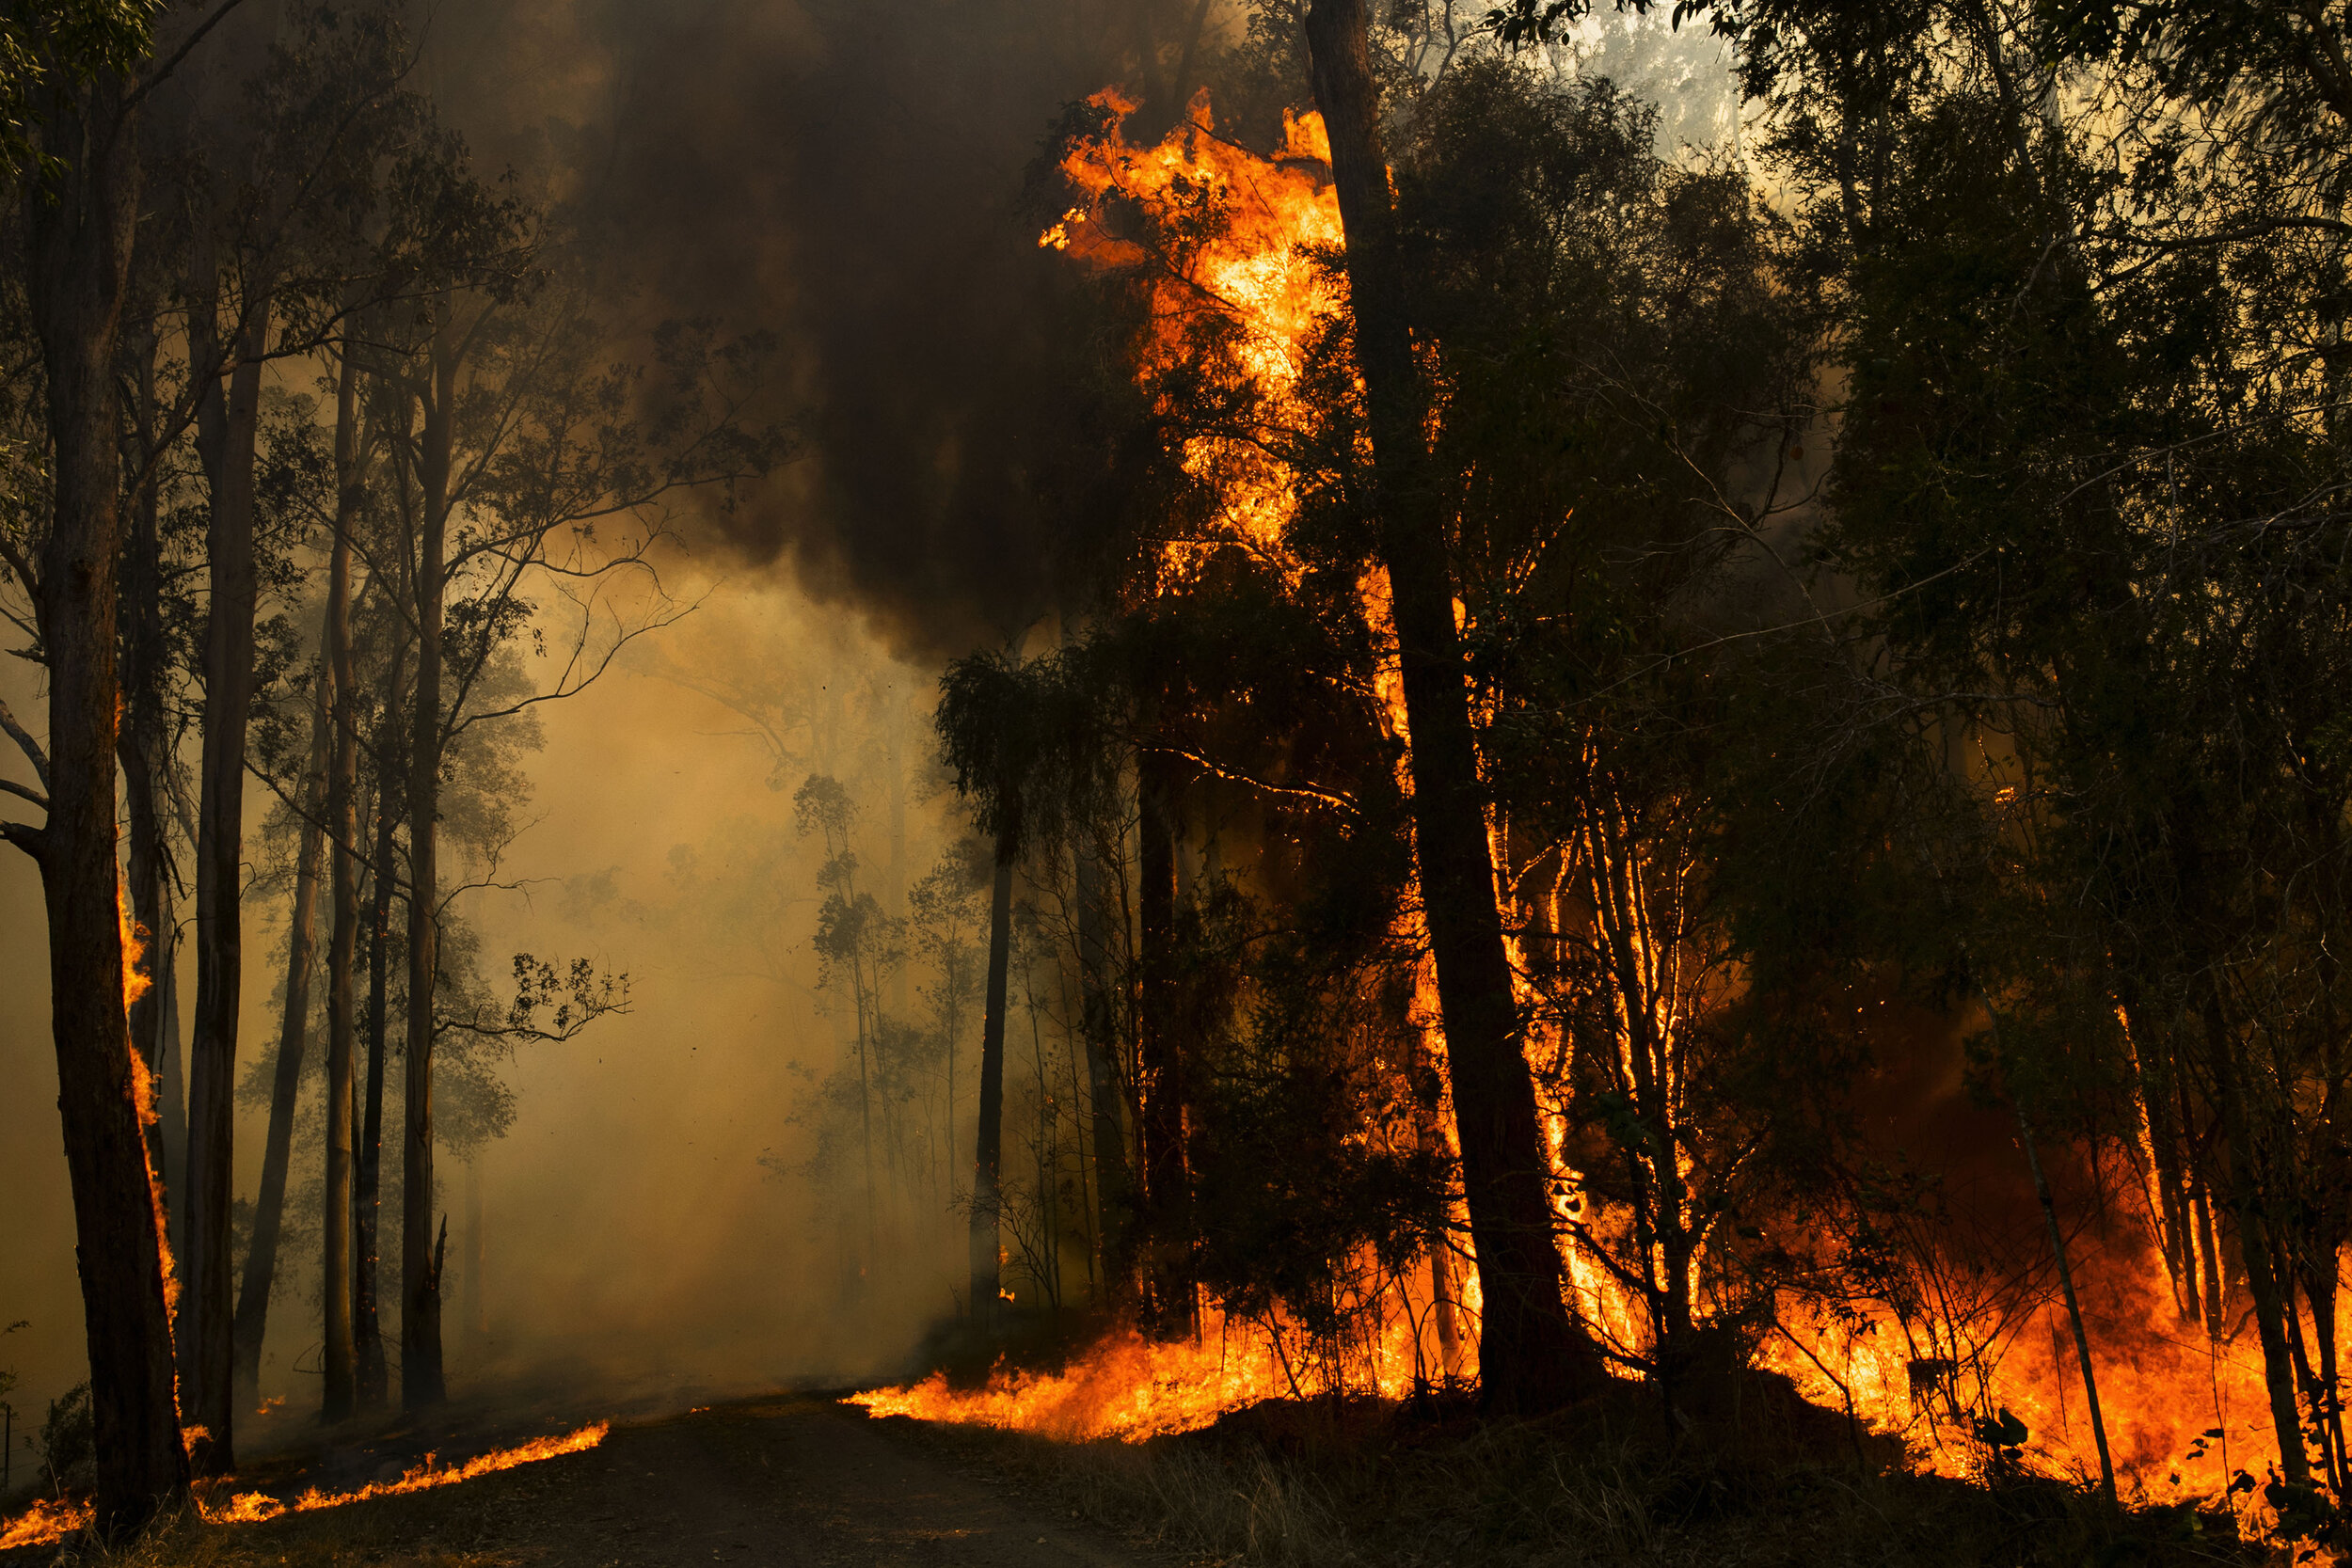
{"x":24,"y":737}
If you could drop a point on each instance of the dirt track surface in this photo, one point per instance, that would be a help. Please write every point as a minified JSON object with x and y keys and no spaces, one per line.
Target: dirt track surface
{"x":793,"y":1481}
{"x":787,"y":1481}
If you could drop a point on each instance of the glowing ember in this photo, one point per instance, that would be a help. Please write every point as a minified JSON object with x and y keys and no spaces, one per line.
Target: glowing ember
{"x":51,"y":1522}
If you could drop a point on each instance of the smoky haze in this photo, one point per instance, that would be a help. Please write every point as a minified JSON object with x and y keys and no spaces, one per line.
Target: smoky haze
{"x":848,"y":177}
{"x":851,"y":176}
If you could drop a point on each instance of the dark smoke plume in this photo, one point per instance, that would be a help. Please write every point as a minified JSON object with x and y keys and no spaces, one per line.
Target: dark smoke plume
{"x":850,"y":174}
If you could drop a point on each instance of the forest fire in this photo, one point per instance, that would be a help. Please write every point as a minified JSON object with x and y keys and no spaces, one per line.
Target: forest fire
{"x":1443,"y":742}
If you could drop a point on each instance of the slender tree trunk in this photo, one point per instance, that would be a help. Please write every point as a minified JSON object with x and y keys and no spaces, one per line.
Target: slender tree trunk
{"x":988,"y":1161}
{"x":206,"y":1355}
{"x":2074,"y":1308}
{"x":2209,"y":1247}
{"x":421,"y":1376}
{"x":1441,"y":1283}
{"x":1160,"y":1131}
{"x":1533,"y":1356}
{"x":1100,"y":1038}
{"x":172,"y":1088}
{"x":2321,"y":1281}
{"x":269,"y":1203}
{"x":343,"y":774}
{"x":367,"y":1332}
{"x":78,"y":227}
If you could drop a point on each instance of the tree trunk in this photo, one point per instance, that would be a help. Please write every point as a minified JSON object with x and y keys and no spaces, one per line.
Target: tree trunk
{"x":206,"y":1356}
{"x":1160,"y":1129}
{"x":421,"y":1375}
{"x":2074,"y":1306}
{"x":367,"y":1331}
{"x":987,"y":1165}
{"x":339,"y":1368}
{"x":1533,"y":1356}
{"x":1100,"y":1035}
{"x":78,"y":227}
{"x":269,"y":1203}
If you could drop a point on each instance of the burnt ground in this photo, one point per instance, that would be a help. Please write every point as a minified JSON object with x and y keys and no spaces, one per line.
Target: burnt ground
{"x":793,"y":1481}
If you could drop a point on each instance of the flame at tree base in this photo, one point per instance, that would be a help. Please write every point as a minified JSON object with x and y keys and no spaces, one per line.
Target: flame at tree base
{"x":50,"y":1521}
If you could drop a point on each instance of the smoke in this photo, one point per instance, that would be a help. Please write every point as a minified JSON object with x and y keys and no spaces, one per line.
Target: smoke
{"x":849,"y":174}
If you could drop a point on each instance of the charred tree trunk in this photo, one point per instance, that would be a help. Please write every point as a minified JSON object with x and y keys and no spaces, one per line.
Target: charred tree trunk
{"x":1533,"y":1355}
{"x":421,"y":1375}
{"x":206,"y":1355}
{"x":78,"y":222}
{"x":343,"y":822}
{"x":988,"y":1159}
{"x":269,"y":1203}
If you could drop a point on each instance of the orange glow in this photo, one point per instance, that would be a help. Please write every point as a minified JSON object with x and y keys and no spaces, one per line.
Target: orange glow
{"x":51,"y":1522}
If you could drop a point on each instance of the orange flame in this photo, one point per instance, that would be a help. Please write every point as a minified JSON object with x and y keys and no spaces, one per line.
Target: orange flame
{"x":1130,"y":1388}
{"x":1250,"y":277}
